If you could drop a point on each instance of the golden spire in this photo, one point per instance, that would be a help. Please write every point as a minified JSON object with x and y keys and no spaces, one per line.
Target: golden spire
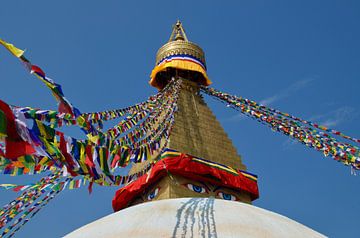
{"x":179,"y":44}
{"x":178,"y":33}
{"x":181,"y":54}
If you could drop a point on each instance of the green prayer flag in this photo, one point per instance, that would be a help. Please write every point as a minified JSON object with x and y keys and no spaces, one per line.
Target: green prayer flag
{"x":3,"y":124}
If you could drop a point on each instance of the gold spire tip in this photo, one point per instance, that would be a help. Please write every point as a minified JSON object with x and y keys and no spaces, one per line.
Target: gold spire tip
{"x":178,"y":32}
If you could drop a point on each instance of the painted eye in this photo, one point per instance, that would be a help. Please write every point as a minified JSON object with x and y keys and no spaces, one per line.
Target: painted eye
{"x":227,"y":196}
{"x":196,"y":188}
{"x":153,"y":194}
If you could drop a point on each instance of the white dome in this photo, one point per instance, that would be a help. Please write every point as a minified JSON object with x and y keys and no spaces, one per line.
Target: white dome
{"x":194,"y":217}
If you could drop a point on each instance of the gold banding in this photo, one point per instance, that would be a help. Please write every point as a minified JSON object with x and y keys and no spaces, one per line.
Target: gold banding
{"x":180,"y":47}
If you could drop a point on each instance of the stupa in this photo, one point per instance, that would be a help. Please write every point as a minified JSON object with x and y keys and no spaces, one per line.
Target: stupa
{"x":199,"y":187}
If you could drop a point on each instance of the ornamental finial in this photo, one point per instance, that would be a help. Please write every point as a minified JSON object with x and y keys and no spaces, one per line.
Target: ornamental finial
{"x":178,"y":32}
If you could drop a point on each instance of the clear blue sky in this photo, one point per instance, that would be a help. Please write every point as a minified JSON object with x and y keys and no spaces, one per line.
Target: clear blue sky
{"x":302,"y":57}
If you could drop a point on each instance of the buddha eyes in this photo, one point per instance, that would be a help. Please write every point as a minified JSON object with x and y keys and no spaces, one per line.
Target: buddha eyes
{"x":227,"y":196}
{"x":196,"y":188}
{"x":153,"y":194}
{"x":204,"y":189}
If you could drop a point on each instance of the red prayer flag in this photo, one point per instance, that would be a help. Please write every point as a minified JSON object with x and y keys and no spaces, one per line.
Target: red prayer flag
{"x":10,"y":120}
{"x":15,"y":149}
{"x":89,"y":157}
{"x":37,"y":70}
{"x":90,"y":187}
{"x":115,"y":160}
{"x":68,"y":158}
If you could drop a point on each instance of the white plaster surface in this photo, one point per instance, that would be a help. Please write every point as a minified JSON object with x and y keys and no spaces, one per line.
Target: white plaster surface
{"x":194,"y":217}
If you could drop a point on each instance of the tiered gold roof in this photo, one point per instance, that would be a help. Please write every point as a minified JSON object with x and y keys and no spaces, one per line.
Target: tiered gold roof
{"x":178,"y":44}
{"x":181,"y":54}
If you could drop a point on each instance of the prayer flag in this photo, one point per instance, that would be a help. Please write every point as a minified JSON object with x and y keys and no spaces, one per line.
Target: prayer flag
{"x":15,"y":149}
{"x":2,"y":124}
{"x":10,"y":47}
{"x":38,"y":71}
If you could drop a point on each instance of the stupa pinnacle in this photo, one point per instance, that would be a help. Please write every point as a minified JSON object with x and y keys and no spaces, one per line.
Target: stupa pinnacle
{"x":178,"y":33}
{"x":181,"y":54}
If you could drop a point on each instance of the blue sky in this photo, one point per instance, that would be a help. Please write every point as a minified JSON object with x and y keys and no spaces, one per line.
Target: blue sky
{"x":301,"y":57}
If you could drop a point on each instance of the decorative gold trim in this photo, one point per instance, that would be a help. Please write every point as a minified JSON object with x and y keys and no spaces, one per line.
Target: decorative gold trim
{"x":180,"y":47}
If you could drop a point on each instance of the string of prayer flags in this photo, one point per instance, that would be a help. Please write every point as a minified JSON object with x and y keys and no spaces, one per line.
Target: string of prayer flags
{"x":17,"y":206}
{"x":15,"y":187}
{"x":304,"y":131}
{"x":17,"y":213}
{"x":287,"y":115}
{"x":145,"y":138}
{"x":64,"y":105}
{"x":20,"y":222}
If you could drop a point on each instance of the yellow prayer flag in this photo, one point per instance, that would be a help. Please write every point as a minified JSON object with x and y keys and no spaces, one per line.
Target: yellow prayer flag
{"x":8,"y":185}
{"x":83,"y":158}
{"x":71,"y":184}
{"x":94,"y":139}
{"x":82,"y":152}
{"x":44,"y":160}
{"x":10,"y":47}
{"x":41,"y":128}
{"x":80,"y":120}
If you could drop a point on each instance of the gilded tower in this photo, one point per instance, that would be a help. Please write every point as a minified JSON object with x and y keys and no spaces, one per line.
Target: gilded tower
{"x":196,"y":131}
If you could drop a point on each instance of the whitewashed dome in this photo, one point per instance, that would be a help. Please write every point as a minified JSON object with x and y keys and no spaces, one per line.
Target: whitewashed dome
{"x":194,"y":217}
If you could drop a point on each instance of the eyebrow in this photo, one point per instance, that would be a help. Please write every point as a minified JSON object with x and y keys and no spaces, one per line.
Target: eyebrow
{"x":217,"y":188}
{"x":205,"y":186}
